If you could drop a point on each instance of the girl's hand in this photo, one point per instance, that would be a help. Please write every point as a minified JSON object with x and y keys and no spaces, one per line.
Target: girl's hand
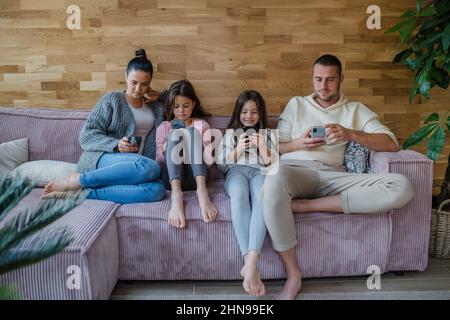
{"x":258,"y":141}
{"x":124,"y":146}
{"x":243,"y":143}
{"x":164,"y":147}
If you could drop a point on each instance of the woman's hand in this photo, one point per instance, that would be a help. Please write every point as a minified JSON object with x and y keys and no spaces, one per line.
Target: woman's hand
{"x":152,"y":95}
{"x":124,"y":146}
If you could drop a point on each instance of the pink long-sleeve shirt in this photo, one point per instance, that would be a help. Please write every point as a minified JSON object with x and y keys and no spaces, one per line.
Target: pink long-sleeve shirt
{"x":162,"y":132}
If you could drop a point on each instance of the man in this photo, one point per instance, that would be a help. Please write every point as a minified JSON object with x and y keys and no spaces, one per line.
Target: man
{"x":311,"y":169}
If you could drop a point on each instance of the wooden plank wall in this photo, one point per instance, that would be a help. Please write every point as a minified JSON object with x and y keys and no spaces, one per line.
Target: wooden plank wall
{"x":223,"y":46}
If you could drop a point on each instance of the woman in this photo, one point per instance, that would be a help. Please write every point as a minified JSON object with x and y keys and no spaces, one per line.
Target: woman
{"x":111,"y":168}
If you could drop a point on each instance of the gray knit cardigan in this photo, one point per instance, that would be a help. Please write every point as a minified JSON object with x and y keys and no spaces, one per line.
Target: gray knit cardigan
{"x":111,"y":120}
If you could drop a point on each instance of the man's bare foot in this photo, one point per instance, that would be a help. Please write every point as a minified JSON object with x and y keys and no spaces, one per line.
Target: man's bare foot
{"x":252,"y":281}
{"x":207,"y":208}
{"x":176,"y":213}
{"x":65,"y":183}
{"x":300,"y":205}
{"x":291,"y":288}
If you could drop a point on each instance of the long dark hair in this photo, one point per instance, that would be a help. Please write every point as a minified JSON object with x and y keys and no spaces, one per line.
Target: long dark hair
{"x":245,"y":96}
{"x":183,"y":88}
{"x":140,"y":63}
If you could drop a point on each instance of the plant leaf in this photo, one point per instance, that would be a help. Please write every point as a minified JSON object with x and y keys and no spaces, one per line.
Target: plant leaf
{"x":442,"y":78}
{"x":428,"y":11}
{"x":402,"y":55}
{"x":418,"y":5}
{"x":19,"y":257}
{"x":446,"y":38}
{"x":408,"y":14}
{"x":432,"y":118}
{"x":436,"y":144}
{"x":405,"y":32}
{"x":396,"y":27}
{"x":419,"y":135}
{"x":8,"y":292}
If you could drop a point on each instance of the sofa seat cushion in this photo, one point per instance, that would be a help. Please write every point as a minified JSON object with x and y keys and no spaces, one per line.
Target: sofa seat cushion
{"x":150,"y":249}
{"x":93,"y":252}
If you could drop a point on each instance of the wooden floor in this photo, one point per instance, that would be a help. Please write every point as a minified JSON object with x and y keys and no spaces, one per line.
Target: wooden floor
{"x":434,"y":283}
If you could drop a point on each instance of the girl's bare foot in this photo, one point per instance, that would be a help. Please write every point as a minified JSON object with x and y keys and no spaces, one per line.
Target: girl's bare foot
{"x":176,"y":213}
{"x":291,"y":288}
{"x":65,"y":183}
{"x":207,"y":208}
{"x":252,"y":281}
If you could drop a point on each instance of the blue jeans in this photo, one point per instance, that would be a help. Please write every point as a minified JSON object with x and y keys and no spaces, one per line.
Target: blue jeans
{"x":244,"y":186}
{"x":124,"y":178}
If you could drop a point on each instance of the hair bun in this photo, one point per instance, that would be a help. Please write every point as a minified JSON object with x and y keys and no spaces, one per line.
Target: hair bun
{"x":140,"y":54}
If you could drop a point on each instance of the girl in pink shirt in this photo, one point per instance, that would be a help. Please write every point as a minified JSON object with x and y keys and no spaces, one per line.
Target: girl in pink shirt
{"x":179,"y":151}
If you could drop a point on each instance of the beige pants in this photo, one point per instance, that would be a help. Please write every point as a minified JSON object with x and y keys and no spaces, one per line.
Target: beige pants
{"x":360,"y":193}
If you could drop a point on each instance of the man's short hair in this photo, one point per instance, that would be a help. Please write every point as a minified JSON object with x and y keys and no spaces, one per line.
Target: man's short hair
{"x":329,"y":60}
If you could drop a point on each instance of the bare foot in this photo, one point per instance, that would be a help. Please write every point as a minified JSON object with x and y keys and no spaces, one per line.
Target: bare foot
{"x":176,"y":213}
{"x":58,"y":195}
{"x":252,"y":281}
{"x":208,"y":209}
{"x":291,"y":288}
{"x":65,"y":183}
{"x":300,"y":205}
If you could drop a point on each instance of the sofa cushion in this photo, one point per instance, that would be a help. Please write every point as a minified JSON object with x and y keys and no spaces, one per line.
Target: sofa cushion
{"x":13,"y":154}
{"x":150,"y":249}
{"x":93,"y":253}
{"x":42,"y":172}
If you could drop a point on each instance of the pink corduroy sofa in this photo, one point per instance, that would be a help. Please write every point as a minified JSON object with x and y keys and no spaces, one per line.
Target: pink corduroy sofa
{"x":135,"y":242}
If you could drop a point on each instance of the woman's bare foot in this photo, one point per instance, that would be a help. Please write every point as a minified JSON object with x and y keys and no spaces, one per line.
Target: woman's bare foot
{"x":291,"y":288}
{"x":58,"y":195}
{"x":176,"y":213}
{"x":65,"y":183}
{"x":207,"y":208}
{"x":252,"y":280}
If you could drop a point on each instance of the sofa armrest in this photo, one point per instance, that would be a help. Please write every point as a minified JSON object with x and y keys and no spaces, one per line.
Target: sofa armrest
{"x":384,"y":162}
{"x":410,"y":224}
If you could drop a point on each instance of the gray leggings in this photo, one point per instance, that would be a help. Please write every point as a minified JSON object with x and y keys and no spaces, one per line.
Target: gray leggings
{"x":244,"y":187}
{"x":184,"y":158}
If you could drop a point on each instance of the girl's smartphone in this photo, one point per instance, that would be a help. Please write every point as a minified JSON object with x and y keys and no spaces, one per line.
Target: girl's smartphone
{"x":178,"y":124}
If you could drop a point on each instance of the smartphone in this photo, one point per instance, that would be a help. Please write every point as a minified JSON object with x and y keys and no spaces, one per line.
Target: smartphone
{"x":254,"y":128}
{"x":136,"y":140}
{"x":178,"y":124}
{"x":317,"y":132}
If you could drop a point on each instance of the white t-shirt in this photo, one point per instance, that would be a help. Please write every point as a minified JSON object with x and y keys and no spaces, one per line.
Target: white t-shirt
{"x":301,"y":113}
{"x":144,"y":120}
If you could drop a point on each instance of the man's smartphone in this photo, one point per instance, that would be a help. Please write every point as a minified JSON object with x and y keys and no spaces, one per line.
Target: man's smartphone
{"x":317,"y":132}
{"x":135,"y":140}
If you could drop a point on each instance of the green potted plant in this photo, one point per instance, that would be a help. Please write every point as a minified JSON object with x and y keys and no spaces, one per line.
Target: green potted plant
{"x":16,"y":229}
{"x":425,"y":38}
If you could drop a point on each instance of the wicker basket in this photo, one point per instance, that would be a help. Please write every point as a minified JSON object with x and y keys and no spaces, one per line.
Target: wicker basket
{"x":439,"y":246}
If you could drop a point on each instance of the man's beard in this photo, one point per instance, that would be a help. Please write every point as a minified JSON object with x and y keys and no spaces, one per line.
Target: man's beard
{"x":330,"y":97}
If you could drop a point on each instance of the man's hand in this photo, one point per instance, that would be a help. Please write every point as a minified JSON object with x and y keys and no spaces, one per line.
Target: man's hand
{"x":124,"y":146}
{"x":305,"y":142}
{"x":335,"y":132}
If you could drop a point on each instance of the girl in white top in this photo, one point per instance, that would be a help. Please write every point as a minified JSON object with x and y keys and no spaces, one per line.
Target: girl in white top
{"x":244,"y":157}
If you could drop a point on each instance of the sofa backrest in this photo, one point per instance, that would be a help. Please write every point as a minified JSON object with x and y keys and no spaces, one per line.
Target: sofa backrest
{"x":53,"y":133}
